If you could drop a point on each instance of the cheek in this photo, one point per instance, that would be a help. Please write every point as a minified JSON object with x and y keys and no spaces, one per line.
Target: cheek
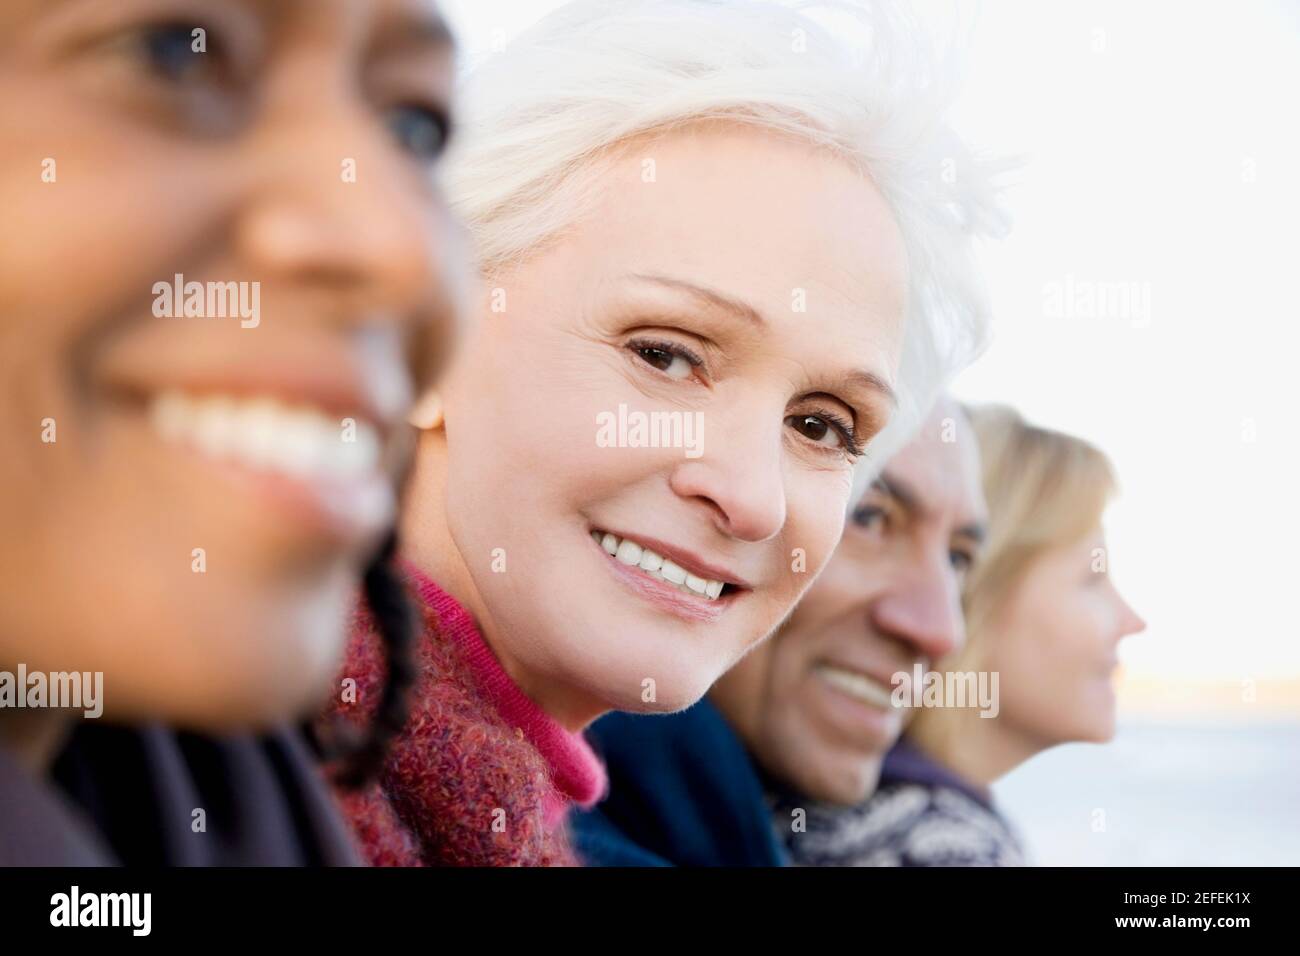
{"x":814,"y":526}
{"x":1035,"y":668}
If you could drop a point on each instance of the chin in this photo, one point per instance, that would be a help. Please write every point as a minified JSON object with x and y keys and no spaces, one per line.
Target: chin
{"x":1095,"y":728}
{"x":675,"y":687}
{"x":835,"y":782}
{"x":1105,"y":731}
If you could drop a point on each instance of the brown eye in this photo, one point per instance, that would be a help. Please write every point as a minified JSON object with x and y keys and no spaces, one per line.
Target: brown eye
{"x":816,"y":429}
{"x":657,"y":357}
{"x":672,"y":363}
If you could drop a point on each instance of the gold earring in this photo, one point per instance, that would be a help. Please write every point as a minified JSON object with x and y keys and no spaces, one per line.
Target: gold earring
{"x":426,"y":414}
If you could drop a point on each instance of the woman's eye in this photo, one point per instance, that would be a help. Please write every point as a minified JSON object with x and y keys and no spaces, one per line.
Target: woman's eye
{"x":176,"y":52}
{"x":818,"y":430}
{"x":961,"y":561}
{"x":420,"y":131}
{"x":670,"y":363}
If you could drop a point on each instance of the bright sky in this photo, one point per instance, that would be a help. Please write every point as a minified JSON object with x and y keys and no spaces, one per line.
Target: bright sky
{"x":1161,"y":142}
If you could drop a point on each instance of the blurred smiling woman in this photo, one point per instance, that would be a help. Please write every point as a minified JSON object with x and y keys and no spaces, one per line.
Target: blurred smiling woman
{"x":189,"y":502}
{"x":711,"y":212}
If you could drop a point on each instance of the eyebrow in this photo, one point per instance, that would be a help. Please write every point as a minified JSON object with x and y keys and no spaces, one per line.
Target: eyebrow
{"x":710,"y":297}
{"x":856,"y":378}
{"x":976,"y":531}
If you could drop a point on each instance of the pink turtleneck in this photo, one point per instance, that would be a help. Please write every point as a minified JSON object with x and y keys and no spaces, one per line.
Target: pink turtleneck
{"x":576,"y":773}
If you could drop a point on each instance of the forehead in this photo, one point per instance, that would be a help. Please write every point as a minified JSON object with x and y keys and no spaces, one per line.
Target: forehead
{"x":941,"y":467}
{"x":793,"y":230}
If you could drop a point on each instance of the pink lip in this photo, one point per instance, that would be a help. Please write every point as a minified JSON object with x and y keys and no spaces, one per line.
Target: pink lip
{"x":687,"y":561}
{"x":667,"y":597}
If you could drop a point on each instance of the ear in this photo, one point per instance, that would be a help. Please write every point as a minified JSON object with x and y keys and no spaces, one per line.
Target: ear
{"x":426,"y":414}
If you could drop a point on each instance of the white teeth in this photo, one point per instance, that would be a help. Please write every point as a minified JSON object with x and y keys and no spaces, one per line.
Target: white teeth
{"x":170,"y":414}
{"x":858,"y":686}
{"x":214,"y":425}
{"x":259,"y":433}
{"x":672,"y":572}
{"x":628,"y":552}
{"x":263,"y":433}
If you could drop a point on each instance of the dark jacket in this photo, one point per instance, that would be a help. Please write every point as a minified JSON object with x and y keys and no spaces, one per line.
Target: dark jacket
{"x":129,"y":796}
{"x":682,"y":792}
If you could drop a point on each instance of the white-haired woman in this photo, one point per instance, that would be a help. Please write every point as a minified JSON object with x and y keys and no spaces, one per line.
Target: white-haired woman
{"x":721,"y":251}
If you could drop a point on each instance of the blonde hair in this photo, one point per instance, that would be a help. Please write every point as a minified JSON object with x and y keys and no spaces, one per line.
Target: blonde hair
{"x":1044,"y":489}
{"x":540,"y":117}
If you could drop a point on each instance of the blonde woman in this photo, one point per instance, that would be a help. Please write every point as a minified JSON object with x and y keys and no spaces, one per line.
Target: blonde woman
{"x":1044,"y":615}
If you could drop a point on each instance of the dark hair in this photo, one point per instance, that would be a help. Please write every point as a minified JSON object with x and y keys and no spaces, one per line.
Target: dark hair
{"x":356,"y":755}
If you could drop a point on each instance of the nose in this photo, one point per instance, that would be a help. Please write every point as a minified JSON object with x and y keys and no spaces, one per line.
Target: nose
{"x":739,"y":478}
{"x":331,"y":205}
{"x":921,"y":609}
{"x":1130,"y":621}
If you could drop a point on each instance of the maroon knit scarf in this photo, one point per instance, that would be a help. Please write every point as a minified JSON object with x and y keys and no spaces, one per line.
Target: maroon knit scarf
{"x":460,"y":786}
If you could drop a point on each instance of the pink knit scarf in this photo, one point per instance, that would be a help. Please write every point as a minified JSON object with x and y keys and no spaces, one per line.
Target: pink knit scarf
{"x":576,"y":772}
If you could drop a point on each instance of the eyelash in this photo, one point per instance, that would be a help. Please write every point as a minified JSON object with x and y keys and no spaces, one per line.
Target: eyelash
{"x":848,"y":434}
{"x":853,"y":448}
{"x":663,"y":345}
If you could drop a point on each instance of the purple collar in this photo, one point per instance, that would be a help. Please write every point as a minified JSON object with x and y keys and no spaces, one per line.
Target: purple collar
{"x":908,"y":763}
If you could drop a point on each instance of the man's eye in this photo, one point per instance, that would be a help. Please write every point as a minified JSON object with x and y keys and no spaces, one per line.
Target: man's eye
{"x":420,"y":131}
{"x":961,"y":561}
{"x":869,"y":517}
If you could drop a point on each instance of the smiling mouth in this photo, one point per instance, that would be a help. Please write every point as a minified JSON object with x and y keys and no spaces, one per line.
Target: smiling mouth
{"x":859,"y":686}
{"x":650,"y":563}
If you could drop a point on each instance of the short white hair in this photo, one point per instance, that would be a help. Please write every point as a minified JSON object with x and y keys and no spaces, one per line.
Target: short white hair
{"x":861,"y":80}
